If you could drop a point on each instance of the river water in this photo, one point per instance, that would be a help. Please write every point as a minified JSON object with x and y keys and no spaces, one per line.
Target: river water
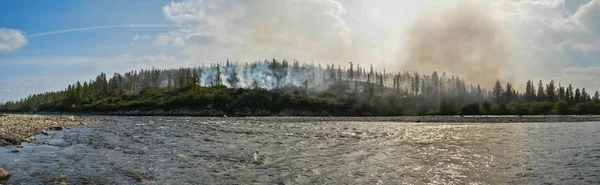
{"x":186,"y":150}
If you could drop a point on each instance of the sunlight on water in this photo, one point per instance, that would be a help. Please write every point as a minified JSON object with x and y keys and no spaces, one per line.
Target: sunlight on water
{"x":175,"y":150}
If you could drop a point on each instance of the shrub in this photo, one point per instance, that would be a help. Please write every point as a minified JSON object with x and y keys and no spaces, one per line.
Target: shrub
{"x":561,"y":107}
{"x":470,"y":109}
{"x":487,"y":107}
{"x":447,"y":106}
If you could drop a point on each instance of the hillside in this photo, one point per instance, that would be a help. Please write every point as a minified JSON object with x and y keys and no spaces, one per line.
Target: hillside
{"x":280,"y":88}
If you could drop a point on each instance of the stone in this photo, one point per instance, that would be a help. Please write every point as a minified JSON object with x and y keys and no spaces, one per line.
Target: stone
{"x":19,"y":146}
{"x":11,"y":140}
{"x":257,"y":158}
{"x":71,"y":118}
{"x":4,"y":175}
{"x":30,"y":139}
{"x":45,"y":132}
{"x":56,"y":128}
{"x":139,"y":179}
{"x":4,"y":142}
{"x":14,"y":151}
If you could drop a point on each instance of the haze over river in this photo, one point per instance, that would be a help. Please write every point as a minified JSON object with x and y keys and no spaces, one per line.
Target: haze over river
{"x":190,"y":150}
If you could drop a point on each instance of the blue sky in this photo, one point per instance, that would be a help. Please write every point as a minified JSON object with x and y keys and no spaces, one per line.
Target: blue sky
{"x":33,"y":17}
{"x":544,"y":39}
{"x":52,"y":61}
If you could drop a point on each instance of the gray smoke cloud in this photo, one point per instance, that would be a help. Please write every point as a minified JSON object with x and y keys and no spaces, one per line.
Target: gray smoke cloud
{"x":464,"y":40}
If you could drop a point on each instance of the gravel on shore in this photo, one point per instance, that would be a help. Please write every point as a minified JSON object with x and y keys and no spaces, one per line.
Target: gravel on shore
{"x":15,"y":128}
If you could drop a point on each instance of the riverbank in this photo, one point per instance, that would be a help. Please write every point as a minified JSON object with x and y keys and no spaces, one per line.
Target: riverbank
{"x":15,"y":128}
{"x":439,"y":119}
{"x":298,"y":116}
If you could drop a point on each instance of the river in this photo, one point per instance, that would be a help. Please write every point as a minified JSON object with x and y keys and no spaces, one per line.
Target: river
{"x":189,"y":150}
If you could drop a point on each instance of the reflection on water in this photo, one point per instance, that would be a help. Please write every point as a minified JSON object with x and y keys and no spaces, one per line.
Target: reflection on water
{"x":181,"y":150}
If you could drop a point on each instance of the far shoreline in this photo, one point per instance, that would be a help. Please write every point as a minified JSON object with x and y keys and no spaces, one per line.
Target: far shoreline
{"x":354,"y":118}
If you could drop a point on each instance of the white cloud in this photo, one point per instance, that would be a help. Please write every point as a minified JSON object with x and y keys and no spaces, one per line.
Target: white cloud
{"x":252,"y":30}
{"x":548,"y":24}
{"x":588,"y":16}
{"x":178,"y":42}
{"x":581,"y":77}
{"x":554,"y":42}
{"x":137,"y":37}
{"x":140,"y":37}
{"x":11,"y":40}
{"x":328,"y":31}
{"x":587,"y":71}
{"x":549,"y":37}
{"x":162,"y":40}
{"x":151,"y":60}
{"x":173,"y":38}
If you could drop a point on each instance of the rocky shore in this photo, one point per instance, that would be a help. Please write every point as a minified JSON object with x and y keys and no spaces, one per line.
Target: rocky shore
{"x":15,"y":128}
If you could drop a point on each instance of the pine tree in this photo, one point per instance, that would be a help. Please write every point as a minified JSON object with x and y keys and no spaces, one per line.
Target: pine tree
{"x":551,"y":91}
{"x":529,"y":91}
{"x":79,"y":91}
{"x":577,"y":96}
{"x":169,"y":84}
{"x":508,"y":93}
{"x":435,"y":79}
{"x":305,"y":86}
{"x":233,"y":78}
{"x":498,"y":91}
{"x":479,"y":93}
{"x":569,"y":94}
{"x":584,"y":95}
{"x":416,"y":84}
{"x":218,"y":80}
{"x":541,"y":95}
{"x":561,"y":92}
{"x":381,"y":87}
{"x":351,"y":72}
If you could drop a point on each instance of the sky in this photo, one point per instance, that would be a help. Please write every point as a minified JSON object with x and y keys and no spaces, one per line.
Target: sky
{"x":46,"y":45}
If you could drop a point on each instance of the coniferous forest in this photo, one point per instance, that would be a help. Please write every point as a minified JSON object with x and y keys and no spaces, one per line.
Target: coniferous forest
{"x":273,"y":87}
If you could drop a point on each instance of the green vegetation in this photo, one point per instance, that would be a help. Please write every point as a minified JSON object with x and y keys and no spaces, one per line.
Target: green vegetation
{"x":221,"y":100}
{"x":280,"y":88}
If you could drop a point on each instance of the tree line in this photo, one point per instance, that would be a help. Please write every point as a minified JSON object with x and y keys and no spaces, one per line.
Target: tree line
{"x":308,"y":87}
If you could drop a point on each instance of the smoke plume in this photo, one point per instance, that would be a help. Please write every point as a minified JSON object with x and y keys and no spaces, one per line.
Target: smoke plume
{"x":463,"y":40}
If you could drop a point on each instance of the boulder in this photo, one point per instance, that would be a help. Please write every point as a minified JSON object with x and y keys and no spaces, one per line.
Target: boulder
{"x":19,"y":146}
{"x":4,"y":143}
{"x":71,"y":118}
{"x":45,"y":132}
{"x":30,"y":139}
{"x":4,"y":175}
{"x":14,"y":151}
{"x":10,"y":140}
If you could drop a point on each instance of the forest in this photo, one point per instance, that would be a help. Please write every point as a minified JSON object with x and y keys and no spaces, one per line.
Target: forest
{"x":272,"y":88}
